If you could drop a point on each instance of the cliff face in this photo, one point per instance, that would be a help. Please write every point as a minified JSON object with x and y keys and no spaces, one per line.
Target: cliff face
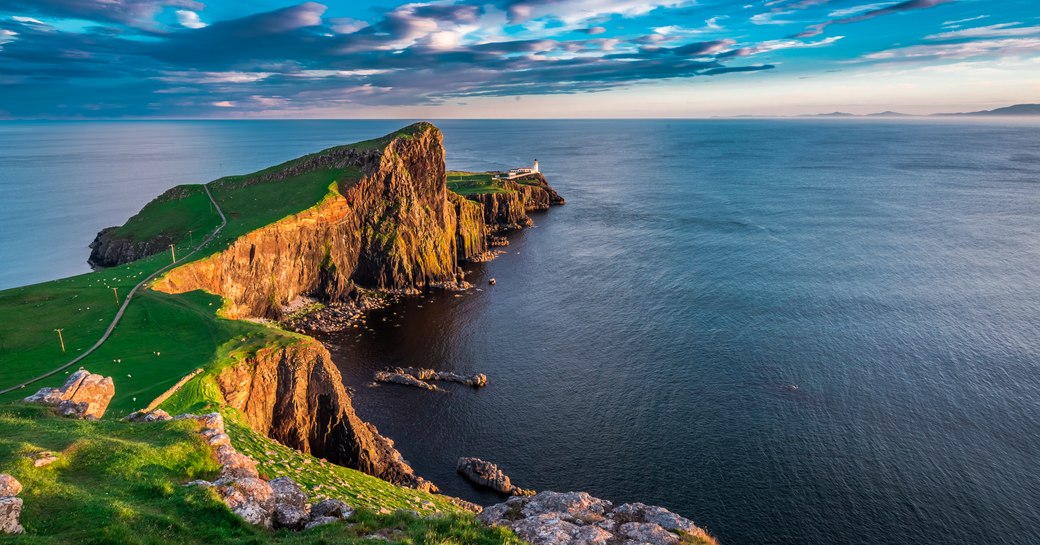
{"x":471,"y":235}
{"x":295,"y":395}
{"x":508,"y":210}
{"x":108,"y":250}
{"x":393,"y":230}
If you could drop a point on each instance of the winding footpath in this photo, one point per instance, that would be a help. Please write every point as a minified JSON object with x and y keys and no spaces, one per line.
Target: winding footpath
{"x":126,"y":301}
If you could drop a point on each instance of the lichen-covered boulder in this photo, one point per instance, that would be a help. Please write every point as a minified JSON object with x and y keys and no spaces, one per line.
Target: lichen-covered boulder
{"x":331,"y":508}
{"x":576,"y":518}
{"x":84,"y":395}
{"x":287,"y":492}
{"x":319,"y":521}
{"x":10,"y":510}
{"x":250,"y":498}
{"x":9,"y":486}
{"x":10,"y":506}
{"x":290,"y":516}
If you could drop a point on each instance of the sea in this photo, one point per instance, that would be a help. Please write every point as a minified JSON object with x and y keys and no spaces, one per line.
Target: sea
{"x":792,"y":331}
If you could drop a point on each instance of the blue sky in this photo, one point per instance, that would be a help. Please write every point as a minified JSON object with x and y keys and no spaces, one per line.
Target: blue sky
{"x":513,"y":58}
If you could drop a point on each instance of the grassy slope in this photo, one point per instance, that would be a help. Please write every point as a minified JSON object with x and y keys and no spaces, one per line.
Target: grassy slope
{"x":183,"y":216}
{"x":118,"y":483}
{"x":478,"y":183}
{"x":474,"y":183}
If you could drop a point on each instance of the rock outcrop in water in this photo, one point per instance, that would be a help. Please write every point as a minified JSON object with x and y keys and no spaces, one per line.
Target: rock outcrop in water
{"x":421,"y":378}
{"x":576,"y":518}
{"x":488,"y":475}
{"x":295,"y":395}
{"x":84,"y":395}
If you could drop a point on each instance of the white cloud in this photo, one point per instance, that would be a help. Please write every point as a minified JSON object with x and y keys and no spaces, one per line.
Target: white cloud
{"x":838,"y":13}
{"x":28,"y":20}
{"x":966,"y":50}
{"x":769,"y":18}
{"x":958,"y":22}
{"x":213,"y":77}
{"x":577,"y":11}
{"x":224,"y":104}
{"x":776,"y":45}
{"x":1001,"y":30}
{"x":189,"y":19}
{"x":6,"y":36}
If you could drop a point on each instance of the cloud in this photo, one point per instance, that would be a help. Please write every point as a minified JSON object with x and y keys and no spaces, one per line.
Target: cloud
{"x":958,"y":22}
{"x":27,"y":20}
{"x":966,"y":50}
{"x":777,"y":45}
{"x":992,"y":31}
{"x":908,"y":5}
{"x":845,"y":12}
{"x":189,"y":19}
{"x":130,"y":12}
{"x":577,"y":11}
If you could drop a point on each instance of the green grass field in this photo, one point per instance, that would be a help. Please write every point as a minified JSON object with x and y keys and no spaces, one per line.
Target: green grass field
{"x":117,"y":483}
{"x":474,"y":183}
{"x":185,"y":215}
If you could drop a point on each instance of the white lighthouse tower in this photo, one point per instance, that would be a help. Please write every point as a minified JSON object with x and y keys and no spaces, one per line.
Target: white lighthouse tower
{"x":535,"y":168}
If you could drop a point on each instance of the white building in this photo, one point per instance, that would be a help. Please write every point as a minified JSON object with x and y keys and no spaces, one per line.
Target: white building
{"x":517,"y":172}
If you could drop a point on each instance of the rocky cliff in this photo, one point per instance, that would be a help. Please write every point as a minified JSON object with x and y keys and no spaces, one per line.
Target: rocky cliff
{"x":393,"y":230}
{"x":295,"y":395}
{"x":507,"y":210}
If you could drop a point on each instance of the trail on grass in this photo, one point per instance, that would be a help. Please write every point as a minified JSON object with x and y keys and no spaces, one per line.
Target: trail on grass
{"x":126,"y":301}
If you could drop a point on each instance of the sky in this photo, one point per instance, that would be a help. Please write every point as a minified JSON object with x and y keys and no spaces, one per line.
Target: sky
{"x":512,"y":58}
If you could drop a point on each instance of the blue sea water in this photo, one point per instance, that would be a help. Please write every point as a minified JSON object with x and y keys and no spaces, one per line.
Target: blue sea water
{"x":791,"y":331}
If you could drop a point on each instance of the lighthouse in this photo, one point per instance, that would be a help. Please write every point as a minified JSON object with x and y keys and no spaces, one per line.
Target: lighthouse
{"x":535,"y":168}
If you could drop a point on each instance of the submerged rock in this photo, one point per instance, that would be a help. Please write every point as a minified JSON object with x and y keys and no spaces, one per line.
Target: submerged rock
{"x":576,"y":518}
{"x":84,"y":395}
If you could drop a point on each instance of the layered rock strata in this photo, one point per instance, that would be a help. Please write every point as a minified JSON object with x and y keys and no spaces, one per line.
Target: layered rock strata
{"x":295,"y":395}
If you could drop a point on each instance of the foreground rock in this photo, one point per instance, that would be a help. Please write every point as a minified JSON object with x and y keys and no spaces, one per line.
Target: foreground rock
{"x":278,"y":503}
{"x":576,"y":518}
{"x":488,"y":475}
{"x":84,"y":395}
{"x":10,"y":506}
{"x":419,"y":378}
